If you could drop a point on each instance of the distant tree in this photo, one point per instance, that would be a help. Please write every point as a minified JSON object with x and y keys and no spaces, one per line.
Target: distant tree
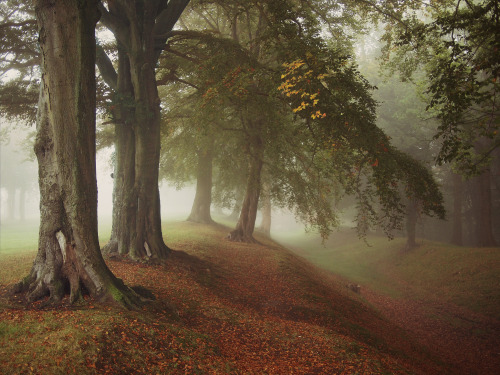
{"x":401,"y":114}
{"x":200,"y":211}
{"x":190,"y":143}
{"x":457,"y":45}
{"x":68,"y":250}
{"x":303,"y":110}
{"x":17,"y":169}
{"x":266,"y":208}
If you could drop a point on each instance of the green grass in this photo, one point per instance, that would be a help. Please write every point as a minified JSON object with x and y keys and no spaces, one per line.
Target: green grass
{"x":215,"y":306}
{"x":17,"y":237}
{"x":346,"y":255}
{"x":468,"y":277}
{"x":201,"y":322}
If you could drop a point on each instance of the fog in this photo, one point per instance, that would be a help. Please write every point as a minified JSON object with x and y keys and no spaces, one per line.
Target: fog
{"x":19,"y":171}
{"x":175,"y":204}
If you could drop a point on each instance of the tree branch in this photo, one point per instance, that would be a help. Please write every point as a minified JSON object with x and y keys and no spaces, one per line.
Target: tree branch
{"x":115,"y":25}
{"x":106,"y":68}
{"x":165,"y":23}
{"x":174,"y":78}
{"x":17,"y":24}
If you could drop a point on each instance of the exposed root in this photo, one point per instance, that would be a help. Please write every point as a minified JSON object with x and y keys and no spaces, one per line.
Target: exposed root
{"x":238,"y":236}
{"x":110,"y":248}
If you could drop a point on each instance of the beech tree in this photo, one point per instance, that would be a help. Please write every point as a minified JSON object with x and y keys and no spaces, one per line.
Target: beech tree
{"x":141,"y":30}
{"x":456,"y":44}
{"x":191,"y":143}
{"x":314,"y":127}
{"x":68,"y":255}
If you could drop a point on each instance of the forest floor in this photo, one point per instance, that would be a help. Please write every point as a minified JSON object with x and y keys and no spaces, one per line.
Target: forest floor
{"x":445,"y":297}
{"x":229,"y":308}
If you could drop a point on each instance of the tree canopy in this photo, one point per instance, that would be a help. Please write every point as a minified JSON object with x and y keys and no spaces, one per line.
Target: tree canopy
{"x":320,"y":122}
{"x":457,"y":44}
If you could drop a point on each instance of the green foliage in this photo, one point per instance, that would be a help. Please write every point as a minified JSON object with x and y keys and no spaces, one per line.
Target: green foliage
{"x":458,"y":46}
{"x":18,"y":99}
{"x":19,"y":60}
{"x":316,"y":113}
{"x":461,"y":275}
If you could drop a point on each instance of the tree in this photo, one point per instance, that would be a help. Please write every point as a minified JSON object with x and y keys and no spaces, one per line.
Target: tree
{"x":482,"y":209}
{"x":457,"y":45}
{"x":189,"y":144}
{"x":318,"y":128}
{"x":141,"y":30}
{"x":200,"y":212}
{"x":266,"y":210}
{"x":68,"y":249}
{"x":401,"y":114}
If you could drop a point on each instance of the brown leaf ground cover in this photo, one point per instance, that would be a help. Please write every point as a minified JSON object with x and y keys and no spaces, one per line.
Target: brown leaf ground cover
{"x":469,"y":342}
{"x":445,"y":297}
{"x":220,"y":308}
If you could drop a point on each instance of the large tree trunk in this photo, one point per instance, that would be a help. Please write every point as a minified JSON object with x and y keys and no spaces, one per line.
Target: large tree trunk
{"x":200,"y":212}
{"x":68,"y":255}
{"x":246,"y":222}
{"x":457,"y":236}
{"x":124,"y":197}
{"x":265,"y":225}
{"x":411,"y":224}
{"x":148,"y":239}
{"x":481,"y":201}
{"x":143,"y":30}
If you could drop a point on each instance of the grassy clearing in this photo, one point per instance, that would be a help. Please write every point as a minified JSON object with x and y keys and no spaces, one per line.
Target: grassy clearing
{"x":18,"y":237}
{"x":346,"y":255}
{"x":468,"y":277}
{"x":221,"y":308}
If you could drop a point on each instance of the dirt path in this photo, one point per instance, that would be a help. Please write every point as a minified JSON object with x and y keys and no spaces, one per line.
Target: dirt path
{"x":467,"y":342}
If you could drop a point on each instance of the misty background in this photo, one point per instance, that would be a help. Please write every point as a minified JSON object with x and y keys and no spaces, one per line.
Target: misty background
{"x":19,"y":194}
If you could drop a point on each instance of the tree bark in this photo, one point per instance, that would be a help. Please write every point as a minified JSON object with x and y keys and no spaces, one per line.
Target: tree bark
{"x":481,"y":201}
{"x":246,"y":222}
{"x":265,"y":225}
{"x":68,"y":256}
{"x":457,"y":233}
{"x":147,"y":238}
{"x":200,"y":212}
{"x":124,"y":201}
{"x":142,"y":31}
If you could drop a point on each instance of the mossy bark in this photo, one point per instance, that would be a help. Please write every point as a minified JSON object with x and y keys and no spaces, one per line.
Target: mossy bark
{"x":124,"y":197}
{"x":137,"y":229}
{"x":69,"y":258}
